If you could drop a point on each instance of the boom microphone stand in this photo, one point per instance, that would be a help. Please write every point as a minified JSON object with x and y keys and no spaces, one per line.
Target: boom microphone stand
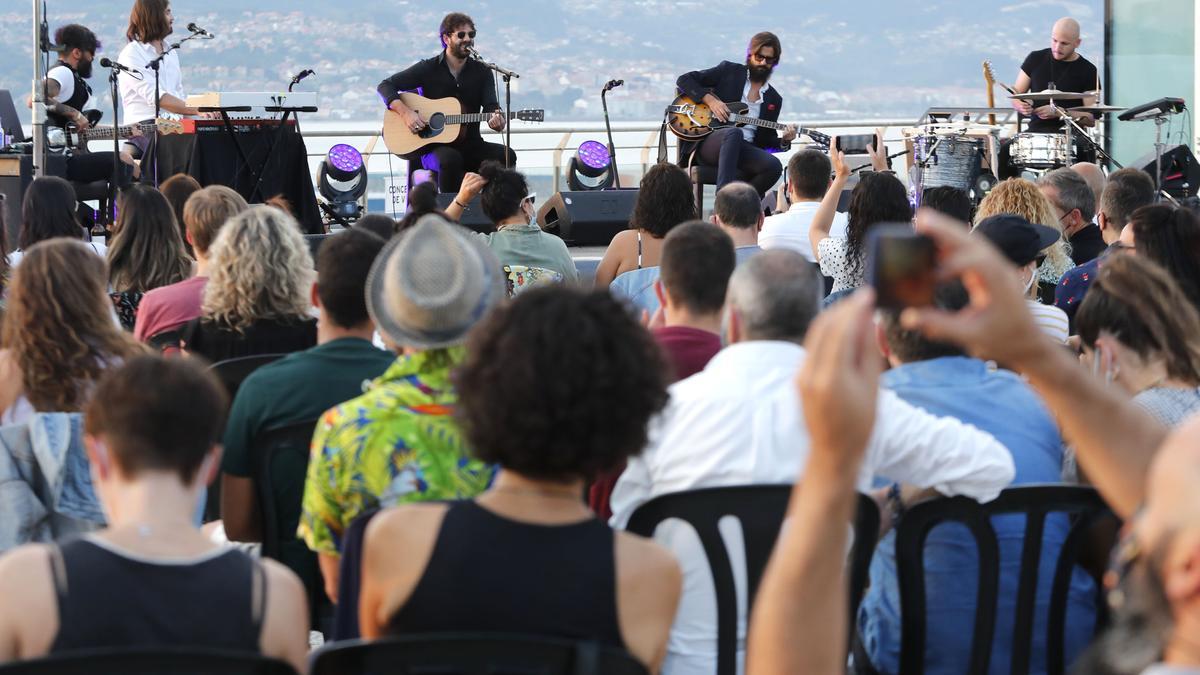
{"x":1066,"y":117}
{"x":154,"y":65}
{"x":508,"y":76}
{"x":612,"y":149}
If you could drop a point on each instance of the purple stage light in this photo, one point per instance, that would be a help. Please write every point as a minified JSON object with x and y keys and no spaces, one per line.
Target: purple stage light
{"x":345,"y":158}
{"x":593,"y":155}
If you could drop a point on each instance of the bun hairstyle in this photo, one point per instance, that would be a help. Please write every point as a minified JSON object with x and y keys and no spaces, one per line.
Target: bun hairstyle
{"x":505,"y":190}
{"x":422,"y":198}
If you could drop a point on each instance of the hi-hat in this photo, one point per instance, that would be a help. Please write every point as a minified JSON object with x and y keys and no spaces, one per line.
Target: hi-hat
{"x":1047,"y":95}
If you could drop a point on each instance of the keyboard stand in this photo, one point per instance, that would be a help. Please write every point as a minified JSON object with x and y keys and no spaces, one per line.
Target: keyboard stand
{"x":237,"y":145}
{"x":274,"y":142}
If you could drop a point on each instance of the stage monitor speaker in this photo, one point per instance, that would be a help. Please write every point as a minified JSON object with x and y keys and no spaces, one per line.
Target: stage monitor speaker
{"x":588,"y":217}
{"x":472,"y":216}
{"x":1180,"y":172}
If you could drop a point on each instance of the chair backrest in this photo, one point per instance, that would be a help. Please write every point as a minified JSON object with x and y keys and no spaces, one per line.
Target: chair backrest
{"x":293,"y":438}
{"x":761,"y":510}
{"x":1035,"y":502}
{"x":472,"y":654}
{"x":167,"y":340}
{"x":232,"y":372}
{"x":150,"y":661}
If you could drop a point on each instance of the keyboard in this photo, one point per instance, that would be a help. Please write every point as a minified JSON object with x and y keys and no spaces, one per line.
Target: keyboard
{"x":203,"y":126}
{"x":254,"y":99}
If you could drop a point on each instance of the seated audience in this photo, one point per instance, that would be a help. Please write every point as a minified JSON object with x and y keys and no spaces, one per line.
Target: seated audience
{"x":1019,"y":197}
{"x":178,"y":189}
{"x":1096,"y":180}
{"x":949,"y":200}
{"x":59,"y":335}
{"x":1023,"y":243}
{"x":146,"y":251}
{"x":807,"y":181}
{"x":48,"y":211}
{"x":300,"y":387}
{"x":1125,"y":191}
{"x":1169,"y":236}
{"x":737,"y":209}
{"x":422,"y":200}
{"x":941,"y":379}
{"x":552,"y":568}
{"x":878,"y":198}
{"x":630,"y":263}
{"x":151,"y":579}
{"x":518,"y":241}
{"x":1139,"y":332}
{"x":1075,"y":203}
{"x":256,"y":300}
{"x":737,"y":422}
{"x":398,"y":442}
{"x":170,"y":307}
{"x":378,"y":224}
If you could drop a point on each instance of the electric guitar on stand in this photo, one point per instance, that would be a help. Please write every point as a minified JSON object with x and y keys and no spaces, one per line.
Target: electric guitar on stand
{"x":444,"y":122}
{"x":692,"y":121}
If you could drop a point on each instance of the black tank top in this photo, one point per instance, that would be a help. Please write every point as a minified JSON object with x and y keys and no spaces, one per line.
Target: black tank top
{"x":79,"y":97}
{"x":491,"y":574}
{"x":110,"y":598}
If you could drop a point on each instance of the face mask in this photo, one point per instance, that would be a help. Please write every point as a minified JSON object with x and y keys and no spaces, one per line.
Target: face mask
{"x":1029,"y":284}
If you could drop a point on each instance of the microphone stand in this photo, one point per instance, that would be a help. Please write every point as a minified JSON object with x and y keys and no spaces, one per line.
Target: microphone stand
{"x":1066,"y":117}
{"x":112,"y":188}
{"x":508,"y":76}
{"x":154,"y":65}
{"x":612,"y":149}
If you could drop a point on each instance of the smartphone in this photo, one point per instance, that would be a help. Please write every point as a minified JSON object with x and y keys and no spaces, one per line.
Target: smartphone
{"x":901,"y":266}
{"x":855,"y":144}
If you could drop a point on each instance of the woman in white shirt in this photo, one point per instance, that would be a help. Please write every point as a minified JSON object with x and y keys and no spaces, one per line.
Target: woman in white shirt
{"x":150,"y":22}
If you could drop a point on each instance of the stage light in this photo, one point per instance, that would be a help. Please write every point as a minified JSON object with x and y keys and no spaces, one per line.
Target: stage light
{"x":591,"y":168}
{"x":342,"y":181}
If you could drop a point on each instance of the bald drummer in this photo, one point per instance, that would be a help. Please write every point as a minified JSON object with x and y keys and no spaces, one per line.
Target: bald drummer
{"x":1058,"y":67}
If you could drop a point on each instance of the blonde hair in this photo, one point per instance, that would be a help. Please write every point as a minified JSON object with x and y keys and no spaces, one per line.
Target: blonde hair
{"x":259,"y":268}
{"x":1021,"y":197}
{"x":207,"y":210}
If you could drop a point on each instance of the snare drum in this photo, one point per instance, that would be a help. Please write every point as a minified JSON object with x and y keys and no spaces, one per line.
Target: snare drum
{"x":1040,"y":151}
{"x":953,"y":161}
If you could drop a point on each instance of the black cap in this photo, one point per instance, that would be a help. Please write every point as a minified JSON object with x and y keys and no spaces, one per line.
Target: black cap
{"x":1019,"y":240}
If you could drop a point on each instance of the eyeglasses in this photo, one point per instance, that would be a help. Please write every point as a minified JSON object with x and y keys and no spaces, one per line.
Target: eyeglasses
{"x":464,"y":34}
{"x":770,"y":60}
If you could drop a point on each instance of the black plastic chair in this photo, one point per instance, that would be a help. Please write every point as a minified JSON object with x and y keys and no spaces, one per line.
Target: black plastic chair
{"x":151,"y":661}
{"x":1035,"y":502}
{"x":232,"y":372}
{"x":166,"y":340}
{"x":761,"y":510}
{"x":269,"y":446}
{"x":473,"y":654}
{"x":701,"y":174}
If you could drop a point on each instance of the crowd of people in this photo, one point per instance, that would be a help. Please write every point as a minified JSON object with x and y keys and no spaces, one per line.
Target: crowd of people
{"x":472,"y":397}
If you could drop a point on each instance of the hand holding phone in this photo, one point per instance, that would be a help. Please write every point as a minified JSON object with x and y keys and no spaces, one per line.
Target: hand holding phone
{"x":901,"y":266}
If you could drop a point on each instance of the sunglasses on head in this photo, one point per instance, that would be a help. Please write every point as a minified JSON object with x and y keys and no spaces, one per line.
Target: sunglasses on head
{"x":464,"y":34}
{"x":531,"y":198}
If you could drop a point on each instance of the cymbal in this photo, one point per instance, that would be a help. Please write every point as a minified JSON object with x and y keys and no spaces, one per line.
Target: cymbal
{"x":1098,"y":109}
{"x":1047,"y":96}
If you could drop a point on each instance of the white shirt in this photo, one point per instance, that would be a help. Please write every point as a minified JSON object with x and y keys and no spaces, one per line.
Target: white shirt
{"x":137,"y":96}
{"x":65,"y":77}
{"x":789,"y":229}
{"x":739,"y":422}
{"x":1052,"y":320}
{"x":753,"y":109}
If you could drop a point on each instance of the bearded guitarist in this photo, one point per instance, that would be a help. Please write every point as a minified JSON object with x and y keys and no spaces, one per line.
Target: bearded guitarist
{"x":734,"y":150}
{"x":453,"y":73}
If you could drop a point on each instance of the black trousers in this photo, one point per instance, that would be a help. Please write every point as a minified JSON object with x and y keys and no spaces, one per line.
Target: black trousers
{"x":732,"y":154}
{"x":452,"y":161}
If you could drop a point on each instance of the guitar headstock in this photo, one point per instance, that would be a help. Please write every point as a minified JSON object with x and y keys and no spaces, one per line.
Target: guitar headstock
{"x":537,"y":115}
{"x":819,"y":138}
{"x":988,"y":76}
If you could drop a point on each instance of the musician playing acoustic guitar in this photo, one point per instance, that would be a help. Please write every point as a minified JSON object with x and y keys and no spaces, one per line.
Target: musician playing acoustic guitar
{"x":451,"y":74}
{"x":741,"y":150}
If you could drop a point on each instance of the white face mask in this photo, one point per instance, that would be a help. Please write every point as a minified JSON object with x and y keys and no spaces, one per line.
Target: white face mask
{"x":1032,"y":279}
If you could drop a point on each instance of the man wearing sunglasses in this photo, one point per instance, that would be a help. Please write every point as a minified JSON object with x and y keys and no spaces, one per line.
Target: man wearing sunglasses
{"x":741,"y":153}
{"x":452,"y":73}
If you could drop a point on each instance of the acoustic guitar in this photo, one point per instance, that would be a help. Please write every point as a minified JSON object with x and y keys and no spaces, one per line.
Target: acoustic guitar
{"x":692,"y":121}
{"x":444,"y":121}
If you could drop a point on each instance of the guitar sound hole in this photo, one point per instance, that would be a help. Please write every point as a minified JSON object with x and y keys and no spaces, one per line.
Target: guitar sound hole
{"x":437,"y":122}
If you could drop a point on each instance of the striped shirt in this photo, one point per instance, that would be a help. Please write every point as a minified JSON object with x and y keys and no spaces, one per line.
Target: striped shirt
{"x":1051,"y":320}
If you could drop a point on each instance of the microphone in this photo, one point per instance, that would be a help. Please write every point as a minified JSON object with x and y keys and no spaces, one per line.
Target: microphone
{"x":613,"y":84}
{"x":197,"y":30}
{"x":474,"y":54}
{"x":108,"y":63}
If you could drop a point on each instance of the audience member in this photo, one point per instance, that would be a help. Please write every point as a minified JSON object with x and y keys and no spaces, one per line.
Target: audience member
{"x":518,"y":241}
{"x":398,"y":442}
{"x":737,"y":209}
{"x":1126,"y":191}
{"x":552,"y":568}
{"x":808,"y":179}
{"x":48,"y":211}
{"x":1170,"y":237}
{"x":151,"y":579}
{"x":170,"y":307}
{"x":941,"y":379}
{"x":256,"y":300}
{"x":1094,"y":175}
{"x":178,"y":189}
{"x":378,"y":224}
{"x":58,"y":334}
{"x":298,"y":388}
{"x":949,"y":200}
{"x":145,"y":252}
{"x":737,"y":422}
{"x":1073,"y":199}
{"x":1019,"y":197}
{"x":422,"y":200}
{"x":1138,"y":331}
{"x":630,"y":263}
{"x":1023,"y":243}
{"x":878,"y":198}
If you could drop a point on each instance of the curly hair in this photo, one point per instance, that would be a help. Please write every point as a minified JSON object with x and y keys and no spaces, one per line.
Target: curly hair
{"x":664,"y":200}
{"x":260,"y":268}
{"x":878,"y":198}
{"x":609,"y":381}
{"x":146,"y":251}
{"x":59,"y":326}
{"x":1021,"y":197}
{"x":504,"y":192}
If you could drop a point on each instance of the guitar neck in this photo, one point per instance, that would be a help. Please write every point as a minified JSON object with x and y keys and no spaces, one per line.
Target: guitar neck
{"x":469,"y":118}
{"x":756,"y":122}
{"x":101,"y":133}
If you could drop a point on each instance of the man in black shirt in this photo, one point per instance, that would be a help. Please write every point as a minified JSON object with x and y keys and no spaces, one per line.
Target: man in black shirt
{"x":451,"y":74}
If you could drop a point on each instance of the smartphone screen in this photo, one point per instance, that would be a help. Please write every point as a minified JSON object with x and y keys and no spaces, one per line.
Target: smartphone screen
{"x":901,"y":266}
{"x":855,"y":144}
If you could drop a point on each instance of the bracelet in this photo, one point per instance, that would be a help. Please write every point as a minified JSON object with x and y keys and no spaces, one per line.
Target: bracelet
{"x":460,"y":204}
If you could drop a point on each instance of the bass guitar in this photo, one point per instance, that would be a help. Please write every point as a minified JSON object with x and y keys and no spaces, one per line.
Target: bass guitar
{"x":73,"y":138}
{"x":444,"y":122}
{"x":692,"y":121}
